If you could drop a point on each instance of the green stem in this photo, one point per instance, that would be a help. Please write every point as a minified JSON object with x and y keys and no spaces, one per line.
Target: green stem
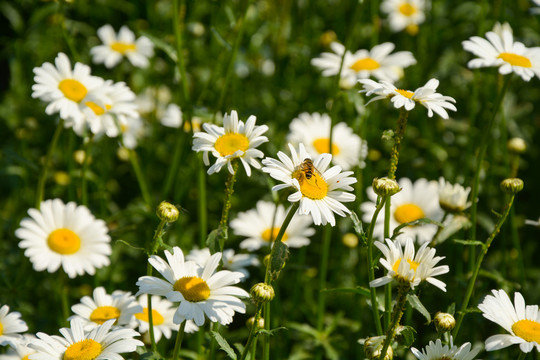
{"x":486,"y":135}
{"x":472,"y":281}
{"x":266,"y":338}
{"x":403,"y":289}
{"x":140,"y":178}
{"x":323,"y":272}
{"x":203,"y":222}
{"x":64,"y":296}
{"x":43,"y":176}
{"x":522,"y":355}
{"x":371,"y":266}
{"x":86,"y":163}
{"x":388,"y":287}
{"x":179,"y":338}
{"x":398,"y":137}
{"x":229,"y":190}
{"x":252,"y":333}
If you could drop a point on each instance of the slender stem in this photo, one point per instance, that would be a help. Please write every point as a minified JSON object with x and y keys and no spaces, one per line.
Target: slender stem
{"x":398,"y":137}
{"x":403,"y":289}
{"x":64,"y":296}
{"x":522,"y":355}
{"x":266,"y":338}
{"x":486,"y":135}
{"x":472,"y":281}
{"x":179,"y":338}
{"x":203,"y":222}
{"x":371,"y":266}
{"x":140,"y":178}
{"x":252,"y":332}
{"x":229,"y":190}
{"x":43,"y":176}
{"x":387,"y":287}
{"x":323,"y":272}
{"x":86,"y":162}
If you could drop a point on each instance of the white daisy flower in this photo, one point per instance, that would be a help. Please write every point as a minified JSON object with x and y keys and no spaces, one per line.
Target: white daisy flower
{"x":94,"y":311}
{"x":413,"y":202}
{"x":406,"y":267}
{"x":453,"y":198}
{"x":500,"y":50}
{"x":404,"y":14}
{"x":235,"y":140}
{"x":348,"y":149}
{"x":437,"y":351}
{"x":231,"y":261}
{"x":20,"y":349}
{"x":64,"y":88}
{"x":377,"y":62}
{"x":154,"y":100}
{"x":115,"y":47}
{"x":101,"y":343}
{"x":425,"y":96}
{"x":105,"y":110}
{"x":162,"y":318}
{"x":64,"y":235}
{"x":318,"y":187}
{"x":132,"y":130}
{"x":260,"y":227}
{"x":11,"y":325}
{"x":172,"y":117}
{"x":199,"y":290}
{"x":520,"y":320}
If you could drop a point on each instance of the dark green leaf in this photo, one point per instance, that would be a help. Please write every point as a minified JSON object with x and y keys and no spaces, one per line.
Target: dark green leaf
{"x":417,"y":222}
{"x":224,"y":345}
{"x":417,"y":304}
{"x":470,"y":242}
{"x":272,"y":331}
{"x":357,"y":224}
{"x":357,"y":290}
{"x":279,"y":259}
{"x":408,"y":335}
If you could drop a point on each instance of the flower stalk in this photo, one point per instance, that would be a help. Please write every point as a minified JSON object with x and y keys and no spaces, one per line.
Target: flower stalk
{"x":403,"y":289}
{"x":179,"y":338}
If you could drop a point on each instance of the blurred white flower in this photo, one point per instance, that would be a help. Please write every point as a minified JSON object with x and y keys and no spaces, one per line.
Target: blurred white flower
{"x":11,"y":325}
{"x":404,"y":14}
{"x":172,"y":117}
{"x":453,"y":198}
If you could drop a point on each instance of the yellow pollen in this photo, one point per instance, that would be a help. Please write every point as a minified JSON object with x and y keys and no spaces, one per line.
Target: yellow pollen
{"x":515,"y":59}
{"x":407,"y":9}
{"x":157,"y":318}
{"x":322,"y":145}
{"x":104,"y":313}
{"x":407,"y":93}
{"x":408,"y":212}
{"x":98,"y":110}
{"x":271,"y":234}
{"x":26,"y":357}
{"x":414,"y":265}
{"x":123,"y":48}
{"x":72,"y":89}
{"x":228,"y":144}
{"x":528,"y":330}
{"x":1,"y":329}
{"x":83,"y":350}
{"x":365,"y":64}
{"x":64,"y":241}
{"x":193,"y":288}
{"x":315,"y":187}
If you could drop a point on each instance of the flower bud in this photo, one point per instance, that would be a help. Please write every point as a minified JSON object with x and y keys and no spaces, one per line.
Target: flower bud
{"x":385,"y":186}
{"x":512,"y":185}
{"x":444,"y":322}
{"x":262,"y":293}
{"x":251,"y":321}
{"x":167,"y":212}
{"x":517,"y":145}
{"x":350,"y":240}
{"x":373,"y":347}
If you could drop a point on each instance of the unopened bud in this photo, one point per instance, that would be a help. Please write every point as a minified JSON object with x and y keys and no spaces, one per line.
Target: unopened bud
{"x":373,"y":347}
{"x":350,"y":240}
{"x":512,"y":185}
{"x":251,"y":321}
{"x":517,"y":145}
{"x":167,"y":212}
{"x":385,"y":186}
{"x":444,"y":322}
{"x":262,"y":293}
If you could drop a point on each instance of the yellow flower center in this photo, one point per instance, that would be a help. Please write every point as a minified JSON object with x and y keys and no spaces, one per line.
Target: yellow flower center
{"x":157,"y":318}
{"x":528,"y":330}
{"x":228,"y":144}
{"x":322,"y":145}
{"x":312,"y":184}
{"x":407,"y":93}
{"x":123,"y":48}
{"x":72,"y":89}
{"x":414,"y":265}
{"x":408,"y":212}
{"x":26,"y":357}
{"x":365,"y":64}
{"x":83,"y":350}
{"x":193,"y":288}
{"x":1,"y":329}
{"x":515,"y":59}
{"x":64,"y":241}
{"x":98,"y":110}
{"x":104,"y":313}
{"x":407,"y":9}
{"x":271,"y":234}
{"x":412,"y":29}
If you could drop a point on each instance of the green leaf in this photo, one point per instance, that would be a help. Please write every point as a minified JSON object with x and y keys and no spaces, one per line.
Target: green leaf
{"x":357,"y":224}
{"x":279,"y":259}
{"x":470,"y":242}
{"x":215,"y":239}
{"x":356,"y":290}
{"x":224,"y":345}
{"x":130,"y":246}
{"x":387,"y":135}
{"x":161,"y":44}
{"x":151,"y":356}
{"x":271,"y":331}
{"x":220,"y":39}
{"x":417,"y":304}
{"x":417,"y":222}
{"x":408,"y":335}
